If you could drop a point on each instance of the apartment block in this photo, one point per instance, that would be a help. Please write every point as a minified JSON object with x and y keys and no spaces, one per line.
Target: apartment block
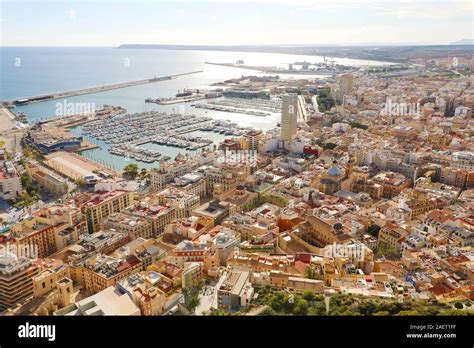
{"x":104,"y":203}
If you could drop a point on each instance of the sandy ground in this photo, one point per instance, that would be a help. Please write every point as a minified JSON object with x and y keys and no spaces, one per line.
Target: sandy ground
{"x":11,"y":137}
{"x":6,"y":119}
{"x":70,"y":165}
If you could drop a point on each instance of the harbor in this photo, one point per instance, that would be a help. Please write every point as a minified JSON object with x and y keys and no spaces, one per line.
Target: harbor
{"x":142,"y":126}
{"x":137,"y":153}
{"x":248,"y":102}
{"x":131,"y":136}
{"x":187,"y":96}
{"x":327,"y":67}
{"x":214,"y":107}
{"x":255,"y":107}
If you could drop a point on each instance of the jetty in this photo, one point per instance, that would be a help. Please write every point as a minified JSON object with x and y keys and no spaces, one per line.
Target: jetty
{"x":91,"y":90}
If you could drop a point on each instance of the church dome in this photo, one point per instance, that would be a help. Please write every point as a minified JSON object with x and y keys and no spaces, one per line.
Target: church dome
{"x":334,"y":171}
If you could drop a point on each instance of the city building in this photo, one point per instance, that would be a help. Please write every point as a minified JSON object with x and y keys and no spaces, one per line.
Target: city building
{"x":236,"y":291}
{"x":48,"y":179}
{"x":215,"y":210}
{"x":192,"y":275}
{"x":102,"y":204}
{"x":146,"y":291}
{"x":106,"y":302}
{"x":16,"y":279}
{"x":131,"y":225}
{"x":51,"y":271}
{"x":10,"y":183}
{"x":101,"y":271}
{"x":158,"y":216}
{"x":48,"y":140}
{"x":289,"y":116}
{"x":183,"y":202}
{"x":190,"y":227}
{"x":104,"y":242}
{"x":392,"y":183}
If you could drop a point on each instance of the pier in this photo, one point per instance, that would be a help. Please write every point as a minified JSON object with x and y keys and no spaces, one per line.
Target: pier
{"x":90,"y":90}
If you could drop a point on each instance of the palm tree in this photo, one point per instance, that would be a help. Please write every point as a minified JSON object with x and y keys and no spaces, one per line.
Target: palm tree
{"x":131,"y":170}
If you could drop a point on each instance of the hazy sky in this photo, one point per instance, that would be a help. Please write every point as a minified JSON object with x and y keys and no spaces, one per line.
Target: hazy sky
{"x":232,"y":22}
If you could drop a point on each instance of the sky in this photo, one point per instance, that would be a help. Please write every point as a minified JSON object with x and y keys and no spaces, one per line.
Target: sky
{"x":233,"y":22}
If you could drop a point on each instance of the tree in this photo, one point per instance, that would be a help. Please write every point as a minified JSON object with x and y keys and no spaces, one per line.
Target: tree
{"x":367,"y":308}
{"x":301,"y":307}
{"x":317,"y":308}
{"x":408,"y":313}
{"x":457,"y":312}
{"x":268,"y":312}
{"x":131,"y":170}
{"x":310,"y":273}
{"x":355,"y":124}
{"x":193,"y":302}
{"x":25,"y":180}
{"x":388,"y":251}
{"x":80,"y":182}
{"x":218,"y":312}
{"x":329,"y":146}
{"x":325,"y":102}
{"x":277,"y":301}
{"x":373,"y":230}
{"x":309,"y":295}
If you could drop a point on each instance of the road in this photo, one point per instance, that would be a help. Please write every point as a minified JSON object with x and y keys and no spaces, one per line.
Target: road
{"x":257,"y":311}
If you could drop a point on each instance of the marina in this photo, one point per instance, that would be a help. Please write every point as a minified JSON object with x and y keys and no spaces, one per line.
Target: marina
{"x":255,"y":107}
{"x":271,"y":105}
{"x":125,"y":134}
{"x":137,"y":153}
{"x":142,"y":127}
{"x":213,"y":107}
{"x":186,"y":96}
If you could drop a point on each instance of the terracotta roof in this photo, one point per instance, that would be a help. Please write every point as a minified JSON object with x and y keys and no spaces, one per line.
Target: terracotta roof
{"x":300,"y":266}
{"x":439,"y":289}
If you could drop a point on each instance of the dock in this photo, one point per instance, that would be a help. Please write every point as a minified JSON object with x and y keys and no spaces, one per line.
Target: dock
{"x":276,"y":70}
{"x":91,"y":90}
{"x":176,"y":100}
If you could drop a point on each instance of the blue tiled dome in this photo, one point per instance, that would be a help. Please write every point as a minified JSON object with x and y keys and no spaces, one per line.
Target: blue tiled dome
{"x":334,"y":171}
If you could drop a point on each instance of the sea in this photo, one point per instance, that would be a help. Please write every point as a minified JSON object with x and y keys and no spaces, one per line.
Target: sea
{"x":30,"y":71}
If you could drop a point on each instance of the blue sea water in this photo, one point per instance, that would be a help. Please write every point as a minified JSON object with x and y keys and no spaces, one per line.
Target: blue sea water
{"x":30,"y":71}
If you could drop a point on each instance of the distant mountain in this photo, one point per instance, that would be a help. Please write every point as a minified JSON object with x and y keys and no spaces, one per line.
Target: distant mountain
{"x":463,"y":42}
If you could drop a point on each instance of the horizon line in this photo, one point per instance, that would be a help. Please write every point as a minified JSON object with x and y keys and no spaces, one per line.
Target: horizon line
{"x":241,"y":45}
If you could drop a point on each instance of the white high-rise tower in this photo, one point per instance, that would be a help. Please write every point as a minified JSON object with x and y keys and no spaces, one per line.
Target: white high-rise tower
{"x":289,"y":116}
